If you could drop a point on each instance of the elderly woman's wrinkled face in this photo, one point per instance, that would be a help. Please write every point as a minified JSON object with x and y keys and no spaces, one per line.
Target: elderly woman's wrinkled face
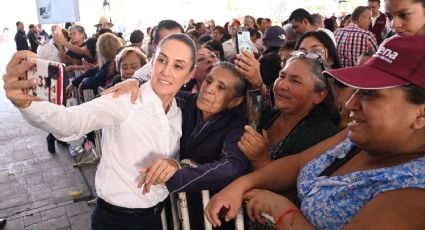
{"x":407,"y":16}
{"x":130,"y":63}
{"x":205,"y":59}
{"x":171,"y":67}
{"x":217,"y":92}
{"x":76,"y":36}
{"x":294,"y":89}
{"x":381,"y":118}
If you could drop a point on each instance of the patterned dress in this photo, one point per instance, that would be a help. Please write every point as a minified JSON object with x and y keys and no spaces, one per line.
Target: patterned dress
{"x":330,"y":202}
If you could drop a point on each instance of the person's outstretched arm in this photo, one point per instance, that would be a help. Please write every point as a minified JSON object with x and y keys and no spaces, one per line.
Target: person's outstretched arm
{"x":64,"y":122}
{"x":278,"y":175}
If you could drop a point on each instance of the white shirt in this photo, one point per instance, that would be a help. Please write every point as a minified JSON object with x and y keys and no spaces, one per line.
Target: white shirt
{"x":133,"y":136}
{"x":48,"y":52}
{"x":145,"y":72}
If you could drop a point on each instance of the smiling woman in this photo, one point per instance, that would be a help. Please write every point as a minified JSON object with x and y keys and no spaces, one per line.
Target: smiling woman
{"x":128,"y":61}
{"x":130,"y":133}
{"x":305,"y":113}
{"x":371,"y":179}
{"x":212,"y":126}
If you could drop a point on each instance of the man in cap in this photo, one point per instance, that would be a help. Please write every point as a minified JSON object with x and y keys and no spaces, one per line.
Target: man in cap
{"x":270,"y":61}
{"x":104,"y":24}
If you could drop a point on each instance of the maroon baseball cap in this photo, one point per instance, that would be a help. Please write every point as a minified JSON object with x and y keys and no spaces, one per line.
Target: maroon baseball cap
{"x":399,"y":60}
{"x":235,"y":22}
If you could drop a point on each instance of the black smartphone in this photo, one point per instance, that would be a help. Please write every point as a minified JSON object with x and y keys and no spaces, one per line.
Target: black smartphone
{"x":254,"y":108}
{"x":243,"y":41}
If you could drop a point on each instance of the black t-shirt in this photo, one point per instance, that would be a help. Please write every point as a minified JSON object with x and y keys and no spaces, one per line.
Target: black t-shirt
{"x":73,"y":55}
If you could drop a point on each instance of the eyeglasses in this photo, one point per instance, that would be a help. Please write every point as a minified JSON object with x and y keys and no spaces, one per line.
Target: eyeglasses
{"x":309,"y":55}
{"x":318,"y":51}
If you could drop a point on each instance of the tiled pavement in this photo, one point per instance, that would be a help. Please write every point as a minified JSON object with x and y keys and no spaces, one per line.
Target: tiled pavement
{"x":34,"y":184}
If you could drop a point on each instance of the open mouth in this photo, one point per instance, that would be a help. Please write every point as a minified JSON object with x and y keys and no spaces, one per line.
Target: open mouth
{"x":164,"y":82}
{"x":209,"y":68}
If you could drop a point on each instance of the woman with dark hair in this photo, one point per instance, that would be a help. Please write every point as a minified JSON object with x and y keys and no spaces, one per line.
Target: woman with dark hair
{"x":133,"y":135}
{"x":226,"y":34}
{"x":204,"y":38}
{"x":205,"y":61}
{"x":319,"y":42}
{"x":304,"y":112}
{"x":212,"y":126}
{"x":406,"y":24}
{"x":217,"y":48}
{"x":330,"y":24}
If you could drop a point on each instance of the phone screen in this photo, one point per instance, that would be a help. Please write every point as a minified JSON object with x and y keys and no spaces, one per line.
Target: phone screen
{"x":243,"y":41}
{"x":254,"y":108}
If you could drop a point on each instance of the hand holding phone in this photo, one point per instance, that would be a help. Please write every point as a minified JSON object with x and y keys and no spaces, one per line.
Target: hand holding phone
{"x":49,"y":77}
{"x":243,"y":41}
{"x":254,"y":108}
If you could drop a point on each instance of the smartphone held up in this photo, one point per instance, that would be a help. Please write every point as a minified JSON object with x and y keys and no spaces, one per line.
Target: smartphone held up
{"x":254,"y":108}
{"x":243,"y":41}
{"x":49,"y":77}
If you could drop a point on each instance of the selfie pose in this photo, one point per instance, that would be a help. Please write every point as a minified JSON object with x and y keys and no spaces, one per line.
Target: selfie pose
{"x":133,"y":135}
{"x":213,"y":122}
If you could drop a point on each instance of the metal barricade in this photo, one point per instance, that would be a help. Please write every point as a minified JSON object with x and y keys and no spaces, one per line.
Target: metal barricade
{"x":180,"y":209}
{"x":183,"y":209}
{"x":89,"y":153}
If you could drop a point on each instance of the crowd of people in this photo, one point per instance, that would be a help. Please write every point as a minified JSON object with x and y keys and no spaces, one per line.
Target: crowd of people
{"x":341,"y":139}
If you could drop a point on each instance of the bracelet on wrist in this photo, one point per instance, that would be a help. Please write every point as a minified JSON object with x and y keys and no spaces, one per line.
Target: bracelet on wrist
{"x":279,"y":220}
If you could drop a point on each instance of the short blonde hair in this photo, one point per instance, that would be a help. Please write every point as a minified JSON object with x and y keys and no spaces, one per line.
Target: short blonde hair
{"x":127,"y":50}
{"x":107,"y":47}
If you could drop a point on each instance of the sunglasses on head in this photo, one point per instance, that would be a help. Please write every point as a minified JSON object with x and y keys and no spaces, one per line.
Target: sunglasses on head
{"x":310,"y":55}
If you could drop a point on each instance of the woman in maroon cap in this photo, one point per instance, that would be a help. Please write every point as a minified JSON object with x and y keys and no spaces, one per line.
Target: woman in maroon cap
{"x":374,"y":178}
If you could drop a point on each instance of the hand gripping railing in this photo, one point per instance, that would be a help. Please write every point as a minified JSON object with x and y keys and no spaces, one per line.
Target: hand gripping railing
{"x":184,"y":209}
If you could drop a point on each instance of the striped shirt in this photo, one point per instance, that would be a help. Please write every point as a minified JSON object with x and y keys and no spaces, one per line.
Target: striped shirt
{"x":352,"y":41}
